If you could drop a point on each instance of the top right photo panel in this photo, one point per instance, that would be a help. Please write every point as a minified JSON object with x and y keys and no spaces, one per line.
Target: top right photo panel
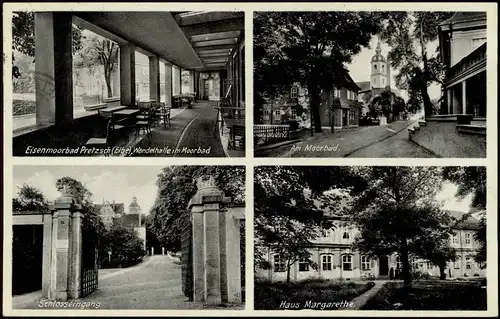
{"x":370,"y":84}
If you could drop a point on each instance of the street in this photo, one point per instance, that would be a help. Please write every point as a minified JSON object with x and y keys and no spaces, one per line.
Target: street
{"x":153,"y":284}
{"x":365,"y":141}
{"x":397,"y":145}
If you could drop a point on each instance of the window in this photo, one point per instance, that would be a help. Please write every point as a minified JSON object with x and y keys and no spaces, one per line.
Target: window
{"x":336,"y":92}
{"x":303,"y":264}
{"x":294,"y":114}
{"x":375,"y":67}
{"x":326,"y":262}
{"x":266,"y":112}
{"x":352,"y":115}
{"x":383,"y":81}
{"x":365,"y":263}
{"x":468,"y":262}
{"x":346,"y":235}
{"x":454,"y":239}
{"x":277,"y":113}
{"x":347,"y":262}
{"x":142,"y":77}
{"x":293,"y":92}
{"x":279,"y":263}
{"x":382,"y":67}
{"x":429,"y":265}
{"x":468,"y":238}
{"x":456,"y":264}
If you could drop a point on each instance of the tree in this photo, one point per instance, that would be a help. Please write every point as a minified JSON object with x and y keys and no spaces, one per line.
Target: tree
{"x":408,"y":34}
{"x":309,"y":48}
{"x":435,"y":247}
{"x":91,"y":221}
{"x":176,"y":186}
{"x":395,"y":209}
{"x":472,"y":180}
{"x":30,"y":198}
{"x":23,"y":36}
{"x":123,"y":242}
{"x":383,"y":104}
{"x":99,"y":51}
{"x":288,"y":211}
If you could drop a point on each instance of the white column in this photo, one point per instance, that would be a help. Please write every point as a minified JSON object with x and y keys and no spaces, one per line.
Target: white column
{"x":127,"y":74}
{"x":154,"y":78}
{"x":44,"y":68}
{"x":464,"y":97}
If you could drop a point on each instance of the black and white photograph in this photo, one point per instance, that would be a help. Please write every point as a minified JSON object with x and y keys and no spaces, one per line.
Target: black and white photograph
{"x":128,"y":237}
{"x":408,"y":84}
{"x":370,"y":238}
{"x":130,"y":84}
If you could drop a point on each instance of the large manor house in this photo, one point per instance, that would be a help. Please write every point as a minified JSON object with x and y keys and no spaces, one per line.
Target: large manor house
{"x":335,"y":257}
{"x":134,"y":219}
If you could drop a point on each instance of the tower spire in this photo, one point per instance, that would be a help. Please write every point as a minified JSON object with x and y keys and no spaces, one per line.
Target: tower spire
{"x":378,"y":50}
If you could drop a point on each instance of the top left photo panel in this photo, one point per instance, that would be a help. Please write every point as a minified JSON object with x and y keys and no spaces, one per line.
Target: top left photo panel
{"x":128,"y":84}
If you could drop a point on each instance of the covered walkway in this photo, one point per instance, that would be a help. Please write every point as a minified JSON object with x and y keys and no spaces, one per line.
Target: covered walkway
{"x":203,"y":49}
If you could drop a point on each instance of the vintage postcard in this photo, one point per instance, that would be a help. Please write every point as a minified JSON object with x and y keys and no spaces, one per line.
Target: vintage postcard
{"x":154,"y":159}
{"x":133,"y":84}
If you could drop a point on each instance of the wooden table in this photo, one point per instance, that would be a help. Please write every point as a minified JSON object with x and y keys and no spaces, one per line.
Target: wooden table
{"x":107,"y":112}
{"x":127,"y":112}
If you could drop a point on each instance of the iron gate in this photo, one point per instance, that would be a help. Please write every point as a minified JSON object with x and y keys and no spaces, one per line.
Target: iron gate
{"x":90,"y":267}
{"x":187,"y":259}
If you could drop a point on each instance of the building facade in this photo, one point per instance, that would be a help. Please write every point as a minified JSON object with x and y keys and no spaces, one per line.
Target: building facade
{"x":134,"y":219}
{"x":338,"y":105}
{"x":333,"y":256}
{"x":462,"y":40}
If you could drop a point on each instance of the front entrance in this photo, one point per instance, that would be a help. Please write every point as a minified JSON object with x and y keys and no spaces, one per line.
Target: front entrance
{"x":27,"y":248}
{"x":345,"y":118}
{"x":383,"y":265}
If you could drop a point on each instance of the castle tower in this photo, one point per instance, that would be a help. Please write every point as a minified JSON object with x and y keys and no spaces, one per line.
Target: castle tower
{"x":379,"y":68}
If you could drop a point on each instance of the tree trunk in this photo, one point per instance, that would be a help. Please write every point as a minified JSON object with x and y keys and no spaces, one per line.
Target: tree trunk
{"x":288,"y":274}
{"x":406,"y":263}
{"x":427,"y":101}
{"x":107,"y":77}
{"x":313,"y":88}
{"x":442,"y":274}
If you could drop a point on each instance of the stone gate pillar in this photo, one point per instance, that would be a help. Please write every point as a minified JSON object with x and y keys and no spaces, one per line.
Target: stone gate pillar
{"x":66,"y":252}
{"x":209,"y":263}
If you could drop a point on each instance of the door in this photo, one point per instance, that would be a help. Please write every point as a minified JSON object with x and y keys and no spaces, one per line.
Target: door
{"x":206,"y":88}
{"x":345,"y":117}
{"x":383,"y":265}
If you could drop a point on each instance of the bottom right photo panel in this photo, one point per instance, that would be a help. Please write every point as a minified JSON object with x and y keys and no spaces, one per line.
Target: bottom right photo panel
{"x":370,"y":238}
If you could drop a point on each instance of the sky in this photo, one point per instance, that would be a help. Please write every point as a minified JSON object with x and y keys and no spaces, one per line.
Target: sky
{"x":360,"y":66}
{"x":118,"y":183}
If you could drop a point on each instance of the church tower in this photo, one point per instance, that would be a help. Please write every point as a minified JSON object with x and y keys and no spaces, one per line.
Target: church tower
{"x":379,"y":70}
{"x":134,"y":207}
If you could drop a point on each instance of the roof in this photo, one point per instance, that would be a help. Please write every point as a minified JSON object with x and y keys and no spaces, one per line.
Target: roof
{"x":460,"y":17}
{"x":470,"y":222}
{"x":363,"y":86}
{"x":119,"y":208}
{"x":131,"y":220}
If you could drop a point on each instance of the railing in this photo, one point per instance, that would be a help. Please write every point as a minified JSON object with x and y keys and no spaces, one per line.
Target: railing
{"x":268,"y":132}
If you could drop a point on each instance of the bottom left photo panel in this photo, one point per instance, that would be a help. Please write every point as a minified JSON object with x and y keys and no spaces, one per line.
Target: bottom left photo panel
{"x":127,"y":237}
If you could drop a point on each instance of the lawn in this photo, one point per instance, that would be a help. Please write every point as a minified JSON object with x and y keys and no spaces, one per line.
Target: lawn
{"x":310,"y":294}
{"x":21,"y":107}
{"x":431,"y":295}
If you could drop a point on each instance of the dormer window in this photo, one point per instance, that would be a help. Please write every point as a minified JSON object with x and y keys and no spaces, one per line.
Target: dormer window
{"x":294,"y":92}
{"x":346,"y":235}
